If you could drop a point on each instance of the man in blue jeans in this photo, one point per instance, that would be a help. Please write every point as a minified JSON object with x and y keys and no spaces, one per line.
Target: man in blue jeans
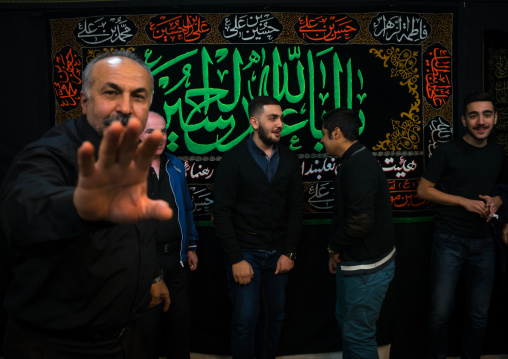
{"x":457,"y":178}
{"x":168,"y":333}
{"x":361,"y":246}
{"x":257,"y":213}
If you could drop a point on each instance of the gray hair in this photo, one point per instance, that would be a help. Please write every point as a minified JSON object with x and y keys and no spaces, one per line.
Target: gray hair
{"x":87,"y":72}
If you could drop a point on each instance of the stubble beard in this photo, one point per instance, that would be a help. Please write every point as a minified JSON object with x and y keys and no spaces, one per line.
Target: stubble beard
{"x":265,"y":138}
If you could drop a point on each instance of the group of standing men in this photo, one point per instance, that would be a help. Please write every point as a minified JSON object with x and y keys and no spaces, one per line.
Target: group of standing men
{"x":83,"y":226}
{"x":93,"y":243}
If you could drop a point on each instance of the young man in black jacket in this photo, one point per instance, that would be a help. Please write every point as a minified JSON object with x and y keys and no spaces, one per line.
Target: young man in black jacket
{"x":361,"y":247}
{"x":257,"y":214}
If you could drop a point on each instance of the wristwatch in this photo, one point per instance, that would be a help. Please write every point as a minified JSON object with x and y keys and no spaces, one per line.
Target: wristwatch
{"x":291,"y":255}
{"x":159,"y":278}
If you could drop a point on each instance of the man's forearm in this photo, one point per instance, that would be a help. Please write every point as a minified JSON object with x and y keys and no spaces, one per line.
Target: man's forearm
{"x":436,"y":196}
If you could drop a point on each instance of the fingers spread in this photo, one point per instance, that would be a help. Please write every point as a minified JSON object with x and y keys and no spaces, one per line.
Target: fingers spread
{"x":86,"y":160}
{"x":129,"y":142}
{"x":159,"y":210}
{"x":109,"y":144}
{"x":146,"y":150}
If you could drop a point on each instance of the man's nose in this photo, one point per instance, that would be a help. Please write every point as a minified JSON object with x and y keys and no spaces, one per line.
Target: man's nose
{"x":280,"y":123}
{"x":124,"y":104}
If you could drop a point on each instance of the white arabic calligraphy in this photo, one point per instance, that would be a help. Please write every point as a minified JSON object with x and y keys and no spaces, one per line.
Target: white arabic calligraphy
{"x":98,"y":31}
{"x":328,"y":165}
{"x":249,"y":27}
{"x":320,"y":196}
{"x":199,"y":172}
{"x":201,"y":199}
{"x":411,"y":28}
{"x":402,"y":169}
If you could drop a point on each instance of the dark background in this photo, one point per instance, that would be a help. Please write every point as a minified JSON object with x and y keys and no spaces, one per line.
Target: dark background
{"x":310,"y":325}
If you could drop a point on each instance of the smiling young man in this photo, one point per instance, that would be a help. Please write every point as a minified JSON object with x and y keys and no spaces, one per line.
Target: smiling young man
{"x":361,"y":246}
{"x":458,"y":178}
{"x":257,"y":211}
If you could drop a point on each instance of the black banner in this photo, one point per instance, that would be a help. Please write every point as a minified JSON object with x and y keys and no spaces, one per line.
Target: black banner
{"x":395,"y":69}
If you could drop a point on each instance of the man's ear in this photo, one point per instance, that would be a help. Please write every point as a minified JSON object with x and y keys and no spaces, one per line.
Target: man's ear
{"x":337,"y":133}
{"x":254,"y":122}
{"x":84,"y":102}
{"x":464,"y":120}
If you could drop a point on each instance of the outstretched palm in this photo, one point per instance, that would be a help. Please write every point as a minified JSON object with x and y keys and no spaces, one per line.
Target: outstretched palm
{"x":114,"y":188}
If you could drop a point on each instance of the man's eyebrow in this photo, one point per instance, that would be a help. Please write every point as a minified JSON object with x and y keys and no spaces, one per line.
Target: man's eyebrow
{"x":477,"y":112}
{"x":141,"y":89}
{"x":112,"y":85}
{"x":117,"y":88}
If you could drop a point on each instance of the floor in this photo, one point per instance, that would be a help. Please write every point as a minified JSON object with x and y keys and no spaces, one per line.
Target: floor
{"x":384,"y":353}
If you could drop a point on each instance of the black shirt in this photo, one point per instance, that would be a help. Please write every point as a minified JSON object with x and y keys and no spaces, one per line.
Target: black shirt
{"x":168,"y":232}
{"x":68,"y":274}
{"x":460,"y":169}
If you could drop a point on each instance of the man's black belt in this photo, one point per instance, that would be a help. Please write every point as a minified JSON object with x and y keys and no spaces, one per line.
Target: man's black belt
{"x":170,"y":247}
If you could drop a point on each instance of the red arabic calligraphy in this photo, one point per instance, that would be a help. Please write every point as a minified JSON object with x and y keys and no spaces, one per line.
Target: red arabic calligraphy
{"x":332,"y":28}
{"x":403,"y":194}
{"x":438,"y":75}
{"x":67,"y":78}
{"x":178,"y":28}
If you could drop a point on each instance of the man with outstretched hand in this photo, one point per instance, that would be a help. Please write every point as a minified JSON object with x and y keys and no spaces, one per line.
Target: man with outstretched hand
{"x":76,"y":219}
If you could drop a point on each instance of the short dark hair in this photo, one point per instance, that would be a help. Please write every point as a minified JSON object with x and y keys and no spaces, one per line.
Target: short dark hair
{"x":257,"y":103}
{"x":87,"y":72}
{"x":478,"y":96}
{"x":345,"y":119}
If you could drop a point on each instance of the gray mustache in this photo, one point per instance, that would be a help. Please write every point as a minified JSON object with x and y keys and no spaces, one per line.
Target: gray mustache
{"x":120,"y":117}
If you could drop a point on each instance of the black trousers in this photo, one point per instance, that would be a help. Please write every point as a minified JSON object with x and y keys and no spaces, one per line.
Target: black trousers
{"x":24,"y":343}
{"x":168,"y":334}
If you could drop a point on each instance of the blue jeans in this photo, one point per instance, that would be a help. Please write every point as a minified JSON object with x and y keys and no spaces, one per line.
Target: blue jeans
{"x":267,"y":291}
{"x":359,"y":300}
{"x":451,"y":254}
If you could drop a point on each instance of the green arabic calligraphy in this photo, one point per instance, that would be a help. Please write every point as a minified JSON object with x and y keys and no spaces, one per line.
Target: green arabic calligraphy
{"x":206,"y":92}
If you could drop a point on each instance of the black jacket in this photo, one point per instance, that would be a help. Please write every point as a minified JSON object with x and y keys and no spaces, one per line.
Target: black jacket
{"x":363,"y":231}
{"x":249,"y":212}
